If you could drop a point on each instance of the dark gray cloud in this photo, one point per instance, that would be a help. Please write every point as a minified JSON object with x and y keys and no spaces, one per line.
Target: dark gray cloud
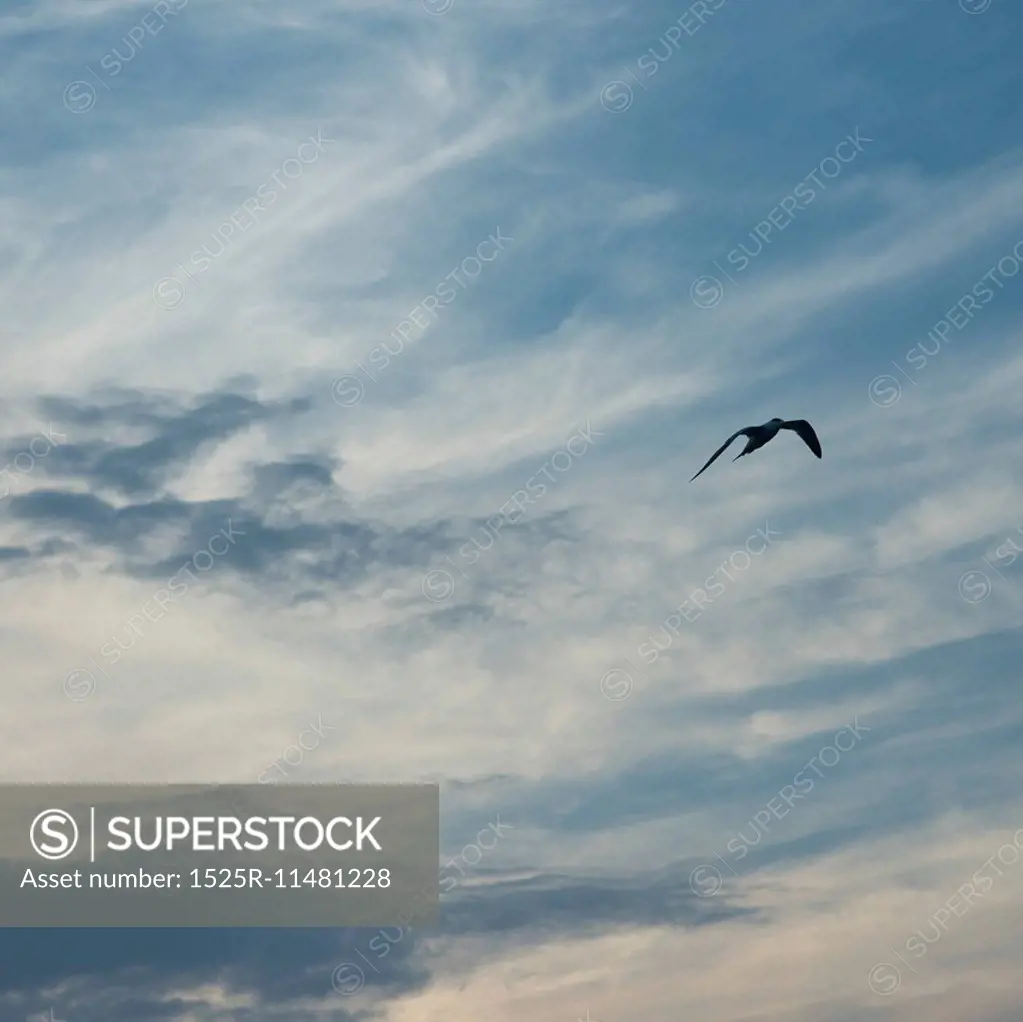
{"x":553,"y":905}
{"x":296,"y":531}
{"x":127,"y":974}
{"x":179,"y":434}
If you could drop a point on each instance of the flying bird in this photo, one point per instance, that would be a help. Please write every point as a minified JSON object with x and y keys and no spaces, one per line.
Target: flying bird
{"x":760,"y":435}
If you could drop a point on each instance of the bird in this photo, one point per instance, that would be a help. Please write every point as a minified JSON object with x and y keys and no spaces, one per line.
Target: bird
{"x":760,"y":435}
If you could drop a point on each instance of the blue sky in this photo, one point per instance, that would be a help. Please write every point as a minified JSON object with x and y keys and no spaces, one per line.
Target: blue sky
{"x":465,"y":552}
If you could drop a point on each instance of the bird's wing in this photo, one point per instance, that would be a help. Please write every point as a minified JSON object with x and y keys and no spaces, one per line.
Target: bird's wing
{"x":806,"y":434}
{"x":721,"y":450}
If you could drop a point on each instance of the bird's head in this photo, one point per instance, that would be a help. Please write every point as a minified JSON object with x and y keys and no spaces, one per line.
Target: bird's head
{"x":776,"y":419}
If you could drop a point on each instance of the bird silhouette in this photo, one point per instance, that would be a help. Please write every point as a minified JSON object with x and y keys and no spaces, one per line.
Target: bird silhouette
{"x":760,"y":435}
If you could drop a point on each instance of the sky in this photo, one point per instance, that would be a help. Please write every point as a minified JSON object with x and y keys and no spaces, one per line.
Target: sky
{"x":426,"y":311}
